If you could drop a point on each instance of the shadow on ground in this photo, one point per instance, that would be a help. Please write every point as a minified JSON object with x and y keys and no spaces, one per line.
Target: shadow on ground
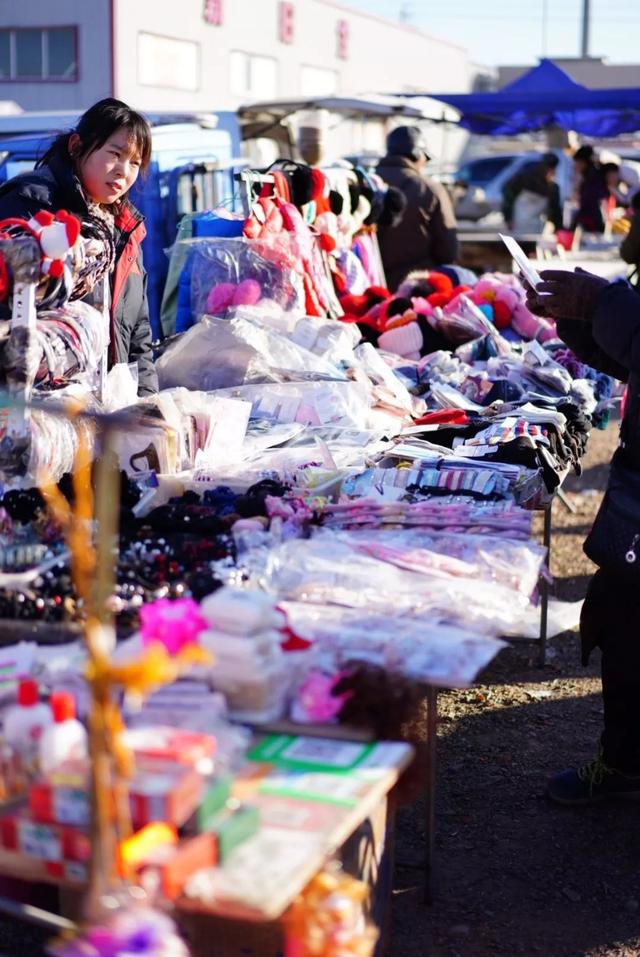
{"x":513,"y":873}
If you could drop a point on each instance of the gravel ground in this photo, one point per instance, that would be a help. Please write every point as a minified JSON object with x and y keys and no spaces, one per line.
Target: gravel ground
{"x":514,"y":874}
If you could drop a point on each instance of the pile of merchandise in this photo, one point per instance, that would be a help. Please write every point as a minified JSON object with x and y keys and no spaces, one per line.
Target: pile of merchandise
{"x":331,"y":496}
{"x":303,"y":403}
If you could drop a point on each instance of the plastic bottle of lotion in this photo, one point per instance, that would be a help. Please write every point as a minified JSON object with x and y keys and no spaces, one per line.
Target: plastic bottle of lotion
{"x":25,"y":722}
{"x":66,"y":738}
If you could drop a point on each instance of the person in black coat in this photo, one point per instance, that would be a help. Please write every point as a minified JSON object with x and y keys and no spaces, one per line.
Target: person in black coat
{"x":89,"y":173}
{"x":592,"y":191}
{"x":600,"y":321}
{"x":426,"y":235}
{"x":537,"y":178}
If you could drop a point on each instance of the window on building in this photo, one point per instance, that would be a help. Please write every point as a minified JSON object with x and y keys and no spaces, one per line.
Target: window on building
{"x":5,"y":54}
{"x":167,"y":62}
{"x":318,"y":81}
{"x":251,"y":75}
{"x":28,"y":58}
{"x":37,"y":54}
{"x":61,"y":51}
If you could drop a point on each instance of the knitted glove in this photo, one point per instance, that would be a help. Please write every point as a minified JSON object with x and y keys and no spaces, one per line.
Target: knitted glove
{"x":565,"y":295}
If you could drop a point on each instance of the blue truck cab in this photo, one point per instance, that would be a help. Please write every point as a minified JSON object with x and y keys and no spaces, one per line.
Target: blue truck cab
{"x":193,"y":161}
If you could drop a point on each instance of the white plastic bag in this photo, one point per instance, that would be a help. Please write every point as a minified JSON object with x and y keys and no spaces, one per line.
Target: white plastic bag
{"x":222,"y":353}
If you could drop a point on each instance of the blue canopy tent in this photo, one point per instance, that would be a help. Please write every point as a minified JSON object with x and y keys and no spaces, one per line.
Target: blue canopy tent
{"x":546,"y":96}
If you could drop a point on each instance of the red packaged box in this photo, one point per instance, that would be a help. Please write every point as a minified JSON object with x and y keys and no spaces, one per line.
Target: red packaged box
{"x":64,"y":803}
{"x":47,"y":842}
{"x":164,"y":792}
{"x":170,"y":744}
{"x":72,"y":872}
{"x":159,"y":791}
{"x":170,"y":868}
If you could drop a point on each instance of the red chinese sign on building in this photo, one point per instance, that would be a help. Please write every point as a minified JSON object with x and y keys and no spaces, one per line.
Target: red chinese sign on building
{"x":342,"y":39}
{"x":286,"y":22}
{"x":213,"y":12}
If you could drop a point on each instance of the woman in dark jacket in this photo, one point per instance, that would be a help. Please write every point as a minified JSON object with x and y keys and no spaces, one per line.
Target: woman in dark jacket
{"x":592,"y":191}
{"x":89,"y":173}
{"x":600,"y":321}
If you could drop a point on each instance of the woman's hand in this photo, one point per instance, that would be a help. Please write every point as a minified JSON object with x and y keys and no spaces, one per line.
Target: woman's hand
{"x":565,"y":295}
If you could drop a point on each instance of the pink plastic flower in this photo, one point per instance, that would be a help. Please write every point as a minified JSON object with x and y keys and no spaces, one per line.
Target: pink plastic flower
{"x":172,"y":623}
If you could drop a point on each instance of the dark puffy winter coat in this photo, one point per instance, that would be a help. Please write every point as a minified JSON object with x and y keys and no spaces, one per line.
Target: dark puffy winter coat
{"x":425,"y":237}
{"x":610,"y":342}
{"x":592,"y":191}
{"x":53,"y":187}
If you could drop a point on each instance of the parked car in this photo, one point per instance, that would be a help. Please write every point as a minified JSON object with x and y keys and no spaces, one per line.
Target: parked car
{"x":478,"y":184}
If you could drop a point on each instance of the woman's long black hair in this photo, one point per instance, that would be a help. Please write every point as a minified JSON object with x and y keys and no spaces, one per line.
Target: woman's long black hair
{"x":95,"y":127}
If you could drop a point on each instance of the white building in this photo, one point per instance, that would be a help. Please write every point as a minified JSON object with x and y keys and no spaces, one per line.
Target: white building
{"x":211,"y":54}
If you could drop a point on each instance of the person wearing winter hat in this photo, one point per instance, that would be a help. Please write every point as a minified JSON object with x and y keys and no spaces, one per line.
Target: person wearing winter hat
{"x":426,"y":235}
{"x":531,"y":197}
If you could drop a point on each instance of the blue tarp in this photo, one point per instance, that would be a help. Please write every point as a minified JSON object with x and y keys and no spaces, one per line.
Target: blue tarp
{"x":547,"y":96}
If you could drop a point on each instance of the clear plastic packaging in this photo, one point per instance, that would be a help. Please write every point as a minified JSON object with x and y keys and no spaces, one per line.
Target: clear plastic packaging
{"x":224,"y":273}
{"x":329,"y":338}
{"x":516,"y":565}
{"x":72,"y":340}
{"x":240,"y":611}
{"x":346,"y":404}
{"x":52,"y":446}
{"x":461,"y":321}
{"x":454,"y":514}
{"x":416,"y":647}
{"x":222,"y":353}
{"x":121,"y":386}
{"x":325,"y":570}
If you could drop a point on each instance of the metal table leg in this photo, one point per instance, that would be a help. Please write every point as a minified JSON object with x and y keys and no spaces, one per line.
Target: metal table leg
{"x":544,"y":588}
{"x":568,"y":504}
{"x":430,"y":792}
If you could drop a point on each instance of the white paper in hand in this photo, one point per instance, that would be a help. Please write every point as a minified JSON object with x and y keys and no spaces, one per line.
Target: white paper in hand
{"x":524,"y":265}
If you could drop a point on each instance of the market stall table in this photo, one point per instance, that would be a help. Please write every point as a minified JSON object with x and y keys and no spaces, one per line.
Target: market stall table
{"x":306,"y":817}
{"x":606,"y":265}
{"x":483,"y":249}
{"x":205,"y":462}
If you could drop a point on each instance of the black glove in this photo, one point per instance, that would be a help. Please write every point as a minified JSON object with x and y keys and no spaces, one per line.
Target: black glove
{"x":565,"y":295}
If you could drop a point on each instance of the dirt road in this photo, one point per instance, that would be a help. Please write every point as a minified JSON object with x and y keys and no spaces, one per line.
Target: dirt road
{"x":514,"y":874}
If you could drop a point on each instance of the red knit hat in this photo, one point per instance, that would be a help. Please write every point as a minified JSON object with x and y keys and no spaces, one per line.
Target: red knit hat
{"x":358,"y":305}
